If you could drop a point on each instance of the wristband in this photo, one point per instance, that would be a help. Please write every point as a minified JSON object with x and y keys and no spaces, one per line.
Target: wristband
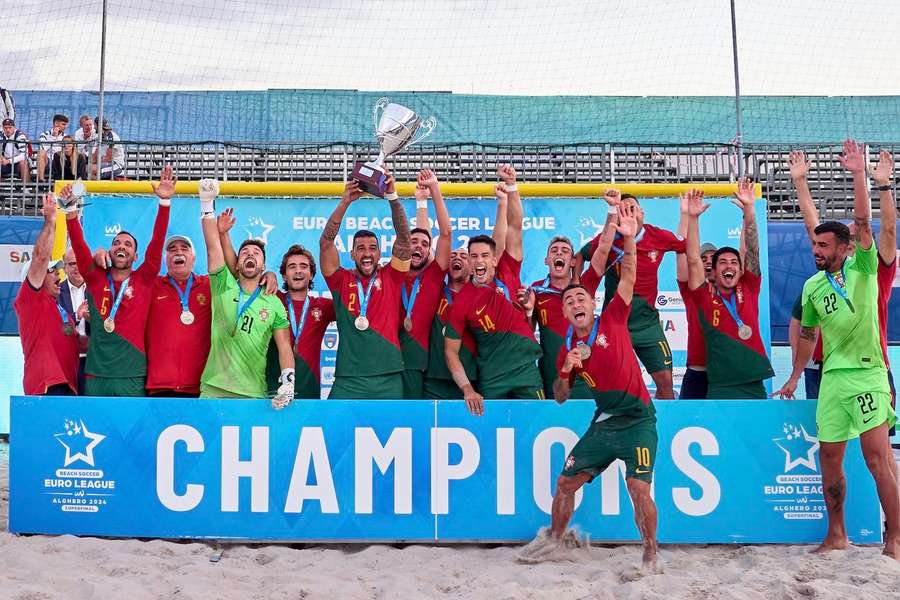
{"x":391,"y":196}
{"x":207,"y":215}
{"x":612,"y":209}
{"x":165,"y":202}
{"x":421,"y":204}
{"x":887,"y":187}
{"x":207,"y":206}
{"x":512,"y":188}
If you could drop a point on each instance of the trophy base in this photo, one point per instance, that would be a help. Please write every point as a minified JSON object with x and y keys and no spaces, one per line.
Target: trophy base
{"x":371,"y":178}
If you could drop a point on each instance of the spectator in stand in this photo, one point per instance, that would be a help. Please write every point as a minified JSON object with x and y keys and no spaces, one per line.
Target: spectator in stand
{"x":14,"y":154}
{"x":110,"y":157}
{"x":72,"y":299}
{"x":69,"y":163}
{"x":51,"y":144}
{"x":83,"y":137}
{"x":48,"y":336}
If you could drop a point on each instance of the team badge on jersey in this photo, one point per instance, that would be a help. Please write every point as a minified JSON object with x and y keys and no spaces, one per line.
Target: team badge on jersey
{"x":264,"y":315}
{"x":129,"y":292}
{"x":570,"y":462}
{"x":377,"y":283}
{"x":316,"y":314}
{"x":201,"y":299}
{"x":602,"y":341}
{"x":653,"y":255}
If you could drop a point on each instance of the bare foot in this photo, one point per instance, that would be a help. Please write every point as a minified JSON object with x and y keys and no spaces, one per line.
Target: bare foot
{"x":892,"y":548}
{"x":835,"y":543}
{"x":651,"y":563}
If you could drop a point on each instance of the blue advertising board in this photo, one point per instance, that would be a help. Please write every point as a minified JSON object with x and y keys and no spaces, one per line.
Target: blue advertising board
{"x":281,"y":222}
{"x":726,"y":471}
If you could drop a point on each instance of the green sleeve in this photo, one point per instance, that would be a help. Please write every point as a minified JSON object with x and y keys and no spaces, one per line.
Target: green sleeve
{"x":809,"y":316}
{"x":865,"y":260}
{"x":221,"y":280}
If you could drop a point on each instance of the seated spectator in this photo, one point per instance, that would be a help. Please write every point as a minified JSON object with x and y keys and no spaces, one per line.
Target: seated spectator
{"x":14,"y":153}
{"x":68,"y":164}
{"x":110,"y":159}
{"x":50,"y":144}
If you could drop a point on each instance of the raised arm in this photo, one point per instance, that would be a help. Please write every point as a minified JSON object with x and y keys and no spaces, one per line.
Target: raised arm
{"x":429,"y":181}
{"x":515,"y":212}
{"x":43,"y":245}
{"x":854,"y":160}
{"x":695,"y":208}
{"x":402,"y":250}
{"x":82,"y":251}
{"x":164,"y":190}
{"x":600,"y":257}
{"x":887,"y":233}
{"x":799,"y":168}
{"x":744,"y":198}
{"x":209,"y":190}
{"x":224,"y":222}
{"x":681,"y":261}
{"x":501,"y":220}
{"x":628,"y":228}
{"x":329,"y":258}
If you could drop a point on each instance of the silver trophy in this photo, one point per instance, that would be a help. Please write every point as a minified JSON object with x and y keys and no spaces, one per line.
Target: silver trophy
{"x":395,"y":128}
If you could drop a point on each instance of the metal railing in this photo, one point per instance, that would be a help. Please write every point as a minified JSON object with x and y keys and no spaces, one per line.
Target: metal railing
{"x":831,"y":186}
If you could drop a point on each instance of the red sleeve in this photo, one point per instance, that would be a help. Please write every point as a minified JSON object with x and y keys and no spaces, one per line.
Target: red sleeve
{"x":83,"y":255}
{"x":26,"y":298}
{"x":398,"y":277}
{"x":456,"y":318}
{"x":591,"y":279}
{"x":616,"y":312}
{"x":508,"y":271}
{"x":685,"y":290}
{"x":327,"y":306}
{"x":336,"y":280}
{"x":886,"y":275}
{"x":153,"y":257}
{"x":752,"y":282}
{"x":669,"y":242}
{"x":434,"y":273}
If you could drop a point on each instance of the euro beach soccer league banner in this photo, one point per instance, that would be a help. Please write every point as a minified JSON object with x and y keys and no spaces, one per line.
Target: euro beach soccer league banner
{"x":410,"y":471}
{"x":281,"y":222}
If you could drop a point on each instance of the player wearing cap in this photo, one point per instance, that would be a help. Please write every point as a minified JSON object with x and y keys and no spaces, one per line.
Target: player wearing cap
{"x":49,"y":340}
{"x":694,"y":384}
{"x":366,"y":303}
{"x":309,"y":317}
{"x":119,"y":299}
{"x":423,"y":289}
{"x":243,"y":320}
{"x":728,"y":310}
{"x":647,"y":335}
{"x":179,"y":324}
{"x":506,"y":348}
{"x":598,"y":351}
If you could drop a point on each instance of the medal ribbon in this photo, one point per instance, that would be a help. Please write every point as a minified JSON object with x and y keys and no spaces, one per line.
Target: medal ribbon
{"x":840,"y":289}
{"x":545,"y":288}
{"x":732,"y":308}
{"x":187,"y":291}
{"x":591,"y":338}
{"x":243,"y":306}
{"x":297,"y":328}
{"x":502,"y":286}
{"x":409,"y":300}
{"x":447,"y":295}
{"x":364,"y":296}
{"x":63,"y":314}
{"x":117,"y":297}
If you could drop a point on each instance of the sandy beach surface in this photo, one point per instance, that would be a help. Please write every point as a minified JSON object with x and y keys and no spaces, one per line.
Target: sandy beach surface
{"x":39,"y":567}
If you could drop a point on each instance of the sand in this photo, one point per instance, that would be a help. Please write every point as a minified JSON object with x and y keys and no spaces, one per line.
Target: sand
{"x":38,"y":567}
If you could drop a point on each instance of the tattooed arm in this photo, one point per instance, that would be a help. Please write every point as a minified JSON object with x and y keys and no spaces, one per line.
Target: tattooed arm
{"x":854,"y":160}
{"x":402,"y":250}
{"x":329,"y":259}
{"x":744,"y":199}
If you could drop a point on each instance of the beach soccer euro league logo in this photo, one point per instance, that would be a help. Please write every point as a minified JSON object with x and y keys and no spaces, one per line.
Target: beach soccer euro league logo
{"x":79,"y":442}
{"x":799,"y":447}
{"x":796,"y":492}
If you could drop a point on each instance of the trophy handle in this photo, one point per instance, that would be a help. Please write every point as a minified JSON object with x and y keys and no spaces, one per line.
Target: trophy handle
{"x":428,"y":125}
{"x":378,"y":109}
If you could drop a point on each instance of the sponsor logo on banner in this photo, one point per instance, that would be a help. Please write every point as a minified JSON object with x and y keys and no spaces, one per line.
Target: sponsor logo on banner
{"x":112,"y":230}
{"x":734,"y":233}
{"x":674,"y":326}
{"x":329,"y":340}
{"x":73,"y":487}
{"x":669,"y":301}
{"x":328,"y":376}
{"x":13,"y":258}
{"x":796,"y":492}
{"x":257,"y":229}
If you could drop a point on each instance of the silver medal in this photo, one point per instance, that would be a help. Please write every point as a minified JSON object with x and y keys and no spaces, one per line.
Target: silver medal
{"x":584,"y":350}
{"x":187,"y":317}
{"x":745,"y":332}
{"x":361,"y":323}
{"x":109,"y":325}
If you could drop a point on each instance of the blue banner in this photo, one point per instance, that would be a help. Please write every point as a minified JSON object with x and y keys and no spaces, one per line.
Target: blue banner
{"x":281,"y":222}
{"x":410,"y":470}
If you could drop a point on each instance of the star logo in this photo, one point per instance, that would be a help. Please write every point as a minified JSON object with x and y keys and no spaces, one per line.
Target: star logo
{"x":796,"y":439}
{"x":257,"y":229}
{"x":78,"y":438}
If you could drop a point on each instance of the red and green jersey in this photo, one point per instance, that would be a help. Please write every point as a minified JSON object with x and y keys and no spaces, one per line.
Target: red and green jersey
{"x":120,"y":353}
{"x":49,"y":344}
{"x":307,"y":351}
{"x":611,"y":372}
{"x":886,"y":273}
{"x":651,"y":243}
{"x":503,"y":336}
{"x":414,"y":344}
{"x":437,"y":364}
{"x":696,"y":345}
{"x":176,"y":353}
{"x":551,"y":321}
{"x":376,"y":350}
{"x":729,"y":359}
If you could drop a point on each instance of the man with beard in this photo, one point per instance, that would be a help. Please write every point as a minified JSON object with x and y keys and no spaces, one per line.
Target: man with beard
{"x":179,"y":325}
{"x":695,"y":384}
{"x":309,"y":317}
{"x":547,"y":302}
{"x":243,"y":321}
{"x":728,"y":310}
{"x":649,"y":340}
{"x":119,"y":298}
{"x":855,"y":397}
{"x":439,"y":384}
{"x":47,"y":332}
{"x":366,"y":301}
{"x":598,"y":350}
{"x":505,"y":344}
{"x":422,"y":290}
